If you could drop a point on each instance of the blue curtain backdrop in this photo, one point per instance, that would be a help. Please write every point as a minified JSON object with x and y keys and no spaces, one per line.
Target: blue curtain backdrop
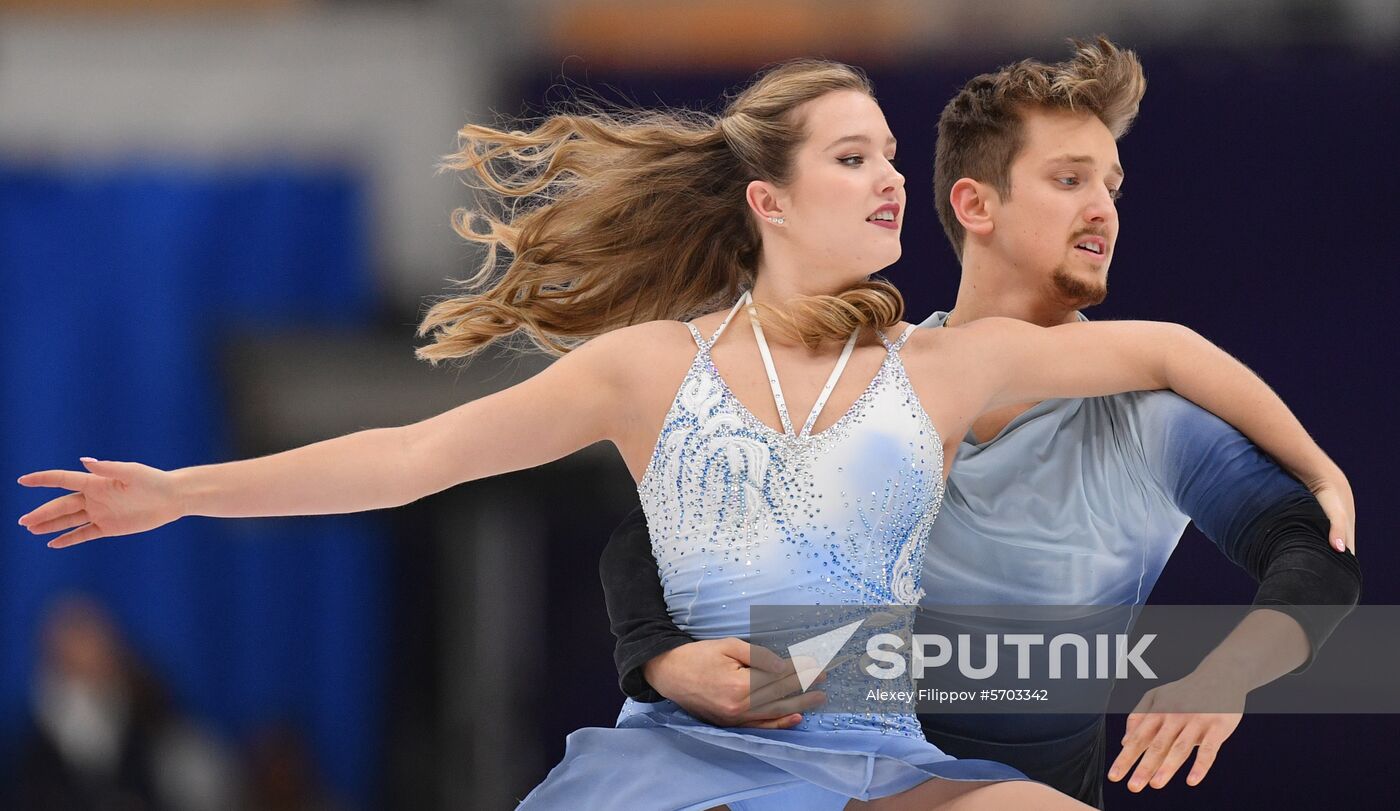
{"x":117,"y":286}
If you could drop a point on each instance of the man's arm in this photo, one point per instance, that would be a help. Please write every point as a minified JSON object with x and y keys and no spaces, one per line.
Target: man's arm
{"x":1261,"y":518}
{"x":1271,"y":526}
{"x":636,"y":606}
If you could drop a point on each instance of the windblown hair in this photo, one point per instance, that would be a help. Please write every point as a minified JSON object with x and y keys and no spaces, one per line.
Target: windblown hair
{"x":981,"y":130}
{"x":610,"y":218}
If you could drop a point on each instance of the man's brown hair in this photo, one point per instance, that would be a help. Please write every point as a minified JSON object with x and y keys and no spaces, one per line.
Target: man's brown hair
{"x":981,"y":130}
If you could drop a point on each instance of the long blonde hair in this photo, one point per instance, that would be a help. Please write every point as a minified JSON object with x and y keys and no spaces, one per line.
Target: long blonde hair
{"x":616,"y":218}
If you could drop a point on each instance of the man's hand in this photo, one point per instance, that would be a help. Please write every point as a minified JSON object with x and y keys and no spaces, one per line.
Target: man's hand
{"x":1168,"y":723}
{"x":730,"y":683}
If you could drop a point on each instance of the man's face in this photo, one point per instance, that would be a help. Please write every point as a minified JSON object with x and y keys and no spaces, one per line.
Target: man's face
{"x":1059,"y":226}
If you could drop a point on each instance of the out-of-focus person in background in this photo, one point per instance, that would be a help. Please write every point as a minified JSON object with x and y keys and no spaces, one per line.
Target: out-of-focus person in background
{"x":282,"y":774}
{"x":104,"y":733}
{"x":646,"y":218}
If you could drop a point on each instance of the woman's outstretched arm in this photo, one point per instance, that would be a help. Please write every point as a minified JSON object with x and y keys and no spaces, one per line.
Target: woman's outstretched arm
{"x":1017,"y":362}
{"x":568,"y":406}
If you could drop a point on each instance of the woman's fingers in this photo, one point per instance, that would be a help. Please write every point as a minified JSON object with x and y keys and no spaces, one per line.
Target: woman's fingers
{"x":57,"y":508}
{"x":86,"y":532}
{"x":1342,"y":517}
{"x":114,"y":498}
{"x":67,"y":479}
{"x":108,"y":469}
{"x":61,"y":523}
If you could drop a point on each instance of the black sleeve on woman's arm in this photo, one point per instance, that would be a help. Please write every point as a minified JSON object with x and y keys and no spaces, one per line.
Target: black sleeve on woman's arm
{"x":1286,"y":549}
{"x":636,"y":606}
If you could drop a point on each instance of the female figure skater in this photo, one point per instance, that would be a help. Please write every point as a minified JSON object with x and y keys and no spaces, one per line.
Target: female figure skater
{"x":617,"y":227}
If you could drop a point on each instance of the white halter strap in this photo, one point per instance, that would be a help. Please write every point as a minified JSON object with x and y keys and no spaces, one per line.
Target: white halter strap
{"x":747,"y":299}
{"x":895,"y":346}
{"x":727,"y":319}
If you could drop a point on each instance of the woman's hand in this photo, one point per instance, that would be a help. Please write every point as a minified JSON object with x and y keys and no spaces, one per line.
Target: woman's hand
{"x":113,"y":498}
{"x":1333,"y":493}
{"x":581,"y":399}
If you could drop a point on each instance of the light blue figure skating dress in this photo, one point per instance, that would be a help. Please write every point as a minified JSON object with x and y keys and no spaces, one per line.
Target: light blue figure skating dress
{"x":741,"y":514}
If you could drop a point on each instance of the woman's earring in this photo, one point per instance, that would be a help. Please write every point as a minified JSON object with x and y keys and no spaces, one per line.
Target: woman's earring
{"x":777,"y":220}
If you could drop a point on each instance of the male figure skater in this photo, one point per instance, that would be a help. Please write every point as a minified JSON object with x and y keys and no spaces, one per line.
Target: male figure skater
{"x":1074,"y":502}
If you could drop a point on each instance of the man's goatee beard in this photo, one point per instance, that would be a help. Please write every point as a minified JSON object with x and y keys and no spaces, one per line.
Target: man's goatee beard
{"x":1076,"y":292}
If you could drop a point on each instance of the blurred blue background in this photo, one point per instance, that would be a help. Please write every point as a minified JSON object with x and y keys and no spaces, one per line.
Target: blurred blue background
{"x":219,"y":222}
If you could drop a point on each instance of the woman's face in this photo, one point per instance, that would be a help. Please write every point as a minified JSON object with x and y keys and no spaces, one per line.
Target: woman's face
{"x":844,"y":206}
